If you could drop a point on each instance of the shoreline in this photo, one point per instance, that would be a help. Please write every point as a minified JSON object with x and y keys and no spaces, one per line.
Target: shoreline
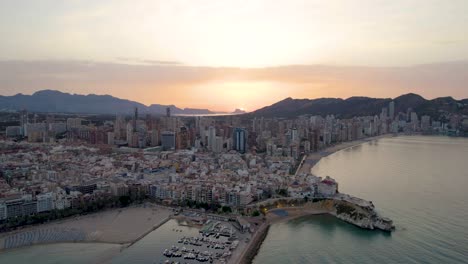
{"x":312,"y":159}
{"x":260,"y":235}
{"x":119,"y":226}
{"x":306,"y":167}
{"x":119,"y":232}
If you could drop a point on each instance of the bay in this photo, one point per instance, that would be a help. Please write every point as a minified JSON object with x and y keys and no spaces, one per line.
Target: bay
{"x":418,"y":181}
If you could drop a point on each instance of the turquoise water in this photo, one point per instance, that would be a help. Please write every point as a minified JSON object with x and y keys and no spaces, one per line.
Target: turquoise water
{"x":419,"y":182}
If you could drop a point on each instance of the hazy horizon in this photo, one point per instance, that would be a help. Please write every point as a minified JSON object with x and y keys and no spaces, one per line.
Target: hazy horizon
{"x":224,"y":55}
{"x":227,"y":88}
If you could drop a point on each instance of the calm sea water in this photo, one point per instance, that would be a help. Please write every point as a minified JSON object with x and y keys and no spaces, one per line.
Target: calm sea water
{"x":150,"y":249}
{"x":420,"y":182}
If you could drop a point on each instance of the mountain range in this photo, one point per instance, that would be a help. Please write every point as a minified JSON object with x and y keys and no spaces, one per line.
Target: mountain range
{"x":363,"y":106}
{"x":48,"y":101}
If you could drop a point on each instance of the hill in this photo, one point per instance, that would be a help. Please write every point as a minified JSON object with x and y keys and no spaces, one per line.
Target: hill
{"x":362,"y":106}
{"x":48,"y":101}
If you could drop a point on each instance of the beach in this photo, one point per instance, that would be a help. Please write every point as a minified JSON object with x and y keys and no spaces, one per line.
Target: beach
{"x":311,"y":159}
{"x":118,"y":226}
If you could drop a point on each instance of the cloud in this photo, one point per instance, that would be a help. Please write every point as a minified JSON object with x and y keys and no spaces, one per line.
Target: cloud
{"x":146,"y":61}
{"x":190,"y":86}
{"x":448,"y":42}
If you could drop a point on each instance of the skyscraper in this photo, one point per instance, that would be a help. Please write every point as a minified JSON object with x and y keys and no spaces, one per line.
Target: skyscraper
{"x":168,"y":112}
{"x":391,"y":110}
{"x":294,"y":135}
{"x":154,"y":138}
{"x":240,"y":139}
{"x":23,"y":122}
{"x":211,"y":137}
{"x":135,"y":118}
{"x":168,"y":140}
{"x":384,"y":114}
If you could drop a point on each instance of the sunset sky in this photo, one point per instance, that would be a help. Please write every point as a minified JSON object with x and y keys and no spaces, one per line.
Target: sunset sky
{"x":224,"y":55}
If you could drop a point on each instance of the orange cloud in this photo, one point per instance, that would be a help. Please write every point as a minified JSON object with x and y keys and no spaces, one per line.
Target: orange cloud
{"x":228,"y":88}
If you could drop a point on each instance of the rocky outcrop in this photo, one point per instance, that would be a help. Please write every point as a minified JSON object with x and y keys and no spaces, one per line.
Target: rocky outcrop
{"x":361,"y":213}
{"x":345,"y":207}
{"x":368,"y":222}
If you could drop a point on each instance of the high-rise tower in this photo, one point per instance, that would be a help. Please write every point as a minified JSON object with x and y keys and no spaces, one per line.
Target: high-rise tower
{"x":168,"y":112}
{"x":240,"y":140}
{"x":391,"y":110}
{"x":135,"y":118}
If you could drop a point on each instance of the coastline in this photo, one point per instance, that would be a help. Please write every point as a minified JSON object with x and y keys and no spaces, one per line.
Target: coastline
{"x":127,"y":226}
{"x":306,"y":166}
{"x":312,"y":159}
{"x":119,"y":226}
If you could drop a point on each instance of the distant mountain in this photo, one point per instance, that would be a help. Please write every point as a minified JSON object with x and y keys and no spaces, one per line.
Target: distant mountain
{"x":362,"y":106}
{"x":238,"y":111}
{"x":59,"y":102}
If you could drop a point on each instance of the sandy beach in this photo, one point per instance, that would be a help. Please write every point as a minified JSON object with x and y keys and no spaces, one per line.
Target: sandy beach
{"x":118,"y":226}
{"x":312,"y":159}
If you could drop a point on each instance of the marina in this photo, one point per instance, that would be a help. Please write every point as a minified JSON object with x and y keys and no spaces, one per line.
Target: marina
{"x":179,"y":241}
{"x":214,"y":244}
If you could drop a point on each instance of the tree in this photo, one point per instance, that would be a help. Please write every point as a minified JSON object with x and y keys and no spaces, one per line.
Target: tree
{"x":124,"y":200}
{"x":226,"y":209}
{"x":256,"y":213}
{"x":283,"y":192}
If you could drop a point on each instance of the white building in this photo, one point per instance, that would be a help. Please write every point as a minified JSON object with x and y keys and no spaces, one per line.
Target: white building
{"x":73,"y":123}
{"x":44,"y":202}
{"x":119,"y":189}
{"x":211,"y":138}
{"x":110,"y":138}
{"x":327,"y":188}
{"x":218,"y":145}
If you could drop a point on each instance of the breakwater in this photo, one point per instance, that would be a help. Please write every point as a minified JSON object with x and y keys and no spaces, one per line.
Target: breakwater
{"x":255,"y":244}
{"x":149,"y":231}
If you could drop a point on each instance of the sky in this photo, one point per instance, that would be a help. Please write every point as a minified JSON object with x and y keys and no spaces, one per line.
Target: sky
{"x":224,"y":54}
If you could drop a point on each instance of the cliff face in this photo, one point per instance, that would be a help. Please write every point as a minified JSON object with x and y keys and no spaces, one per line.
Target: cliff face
{"x":360,"y":213}
{"x":353,"y":210}
{"x":345,"y":207}
{"x":368,"y":222}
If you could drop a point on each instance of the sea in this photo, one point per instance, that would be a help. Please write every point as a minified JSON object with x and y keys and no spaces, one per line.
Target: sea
{"x":420,"y":182}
